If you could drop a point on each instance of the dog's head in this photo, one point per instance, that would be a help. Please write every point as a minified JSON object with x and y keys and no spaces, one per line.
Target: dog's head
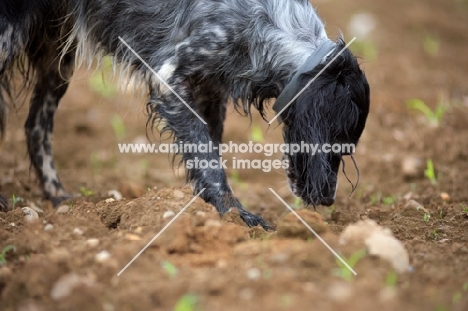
{"x":329,"y":114}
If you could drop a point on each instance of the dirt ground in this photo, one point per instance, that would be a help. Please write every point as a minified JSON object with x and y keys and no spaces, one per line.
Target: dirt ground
{"x":70,"y":260}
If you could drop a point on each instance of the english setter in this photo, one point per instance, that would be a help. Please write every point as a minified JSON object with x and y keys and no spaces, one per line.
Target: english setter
{"x":210,"y":52}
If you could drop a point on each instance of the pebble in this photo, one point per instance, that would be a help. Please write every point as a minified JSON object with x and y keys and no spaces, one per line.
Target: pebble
{"x":178,"y":194}
{"x":254,"y":273}
{"x":92,"y":242}
{"x":63,"y":209}
{"x":213,"y":223}
{"x":132,"y":237}
{"x":445,"y":196}
{"x":168,"y":214}
{"x":66,"y":284}
{"x":116,"y":194}
{"x":412,"y":204}
{"x":340,"y":291}
{"x":35,"y":207}
{"x":379,"y":241}
{"x":362,"y":25}
{"x":78,"y":231}
{"x":110,"y":200}
{"x":102,"y":256}
{"x":48,"y":227}
{"x":30,"y":214}
{"x":412,"y":167}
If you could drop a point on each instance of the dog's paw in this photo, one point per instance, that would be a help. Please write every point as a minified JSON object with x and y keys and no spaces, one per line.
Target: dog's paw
{"x":253,"y":220}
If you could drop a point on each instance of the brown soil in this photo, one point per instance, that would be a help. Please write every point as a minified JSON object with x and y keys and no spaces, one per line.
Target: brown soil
{"x":70,"y":261}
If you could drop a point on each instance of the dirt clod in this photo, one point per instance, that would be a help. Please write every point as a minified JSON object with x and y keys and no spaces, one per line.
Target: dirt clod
{"x":291,"y":227}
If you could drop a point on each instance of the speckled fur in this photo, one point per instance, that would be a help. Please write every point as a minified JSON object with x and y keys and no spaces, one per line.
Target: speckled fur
{"x":209,"y":51}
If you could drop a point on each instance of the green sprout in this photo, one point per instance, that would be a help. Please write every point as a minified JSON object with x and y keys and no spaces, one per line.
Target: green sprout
{"x":119,"y":127}
{"x":5,"y":250}
{"x":256,"y":134}
{"x":456,"y":297}
{"x":15,"y":200}
{"x":86,"y":192}
{"x":464,"y":209}
{"x":426,"y":217}
{"x":375,"y":198}
{"x":343,"y":271}
{"x":186,"y":303}
{"x":391,"y":280}
{"x":96,"y":163}
{"x":97,"y":81}
{"x":297,"y":203}
{"x":433,"y":116}
{"x":236,"y":180}
{"x":389,"y":200}
{"x":366,"y":49}
{"x":429,"y":172}
{"x":431,"y":45}
{"x":170,"y":269}
{"x":436,"y":235}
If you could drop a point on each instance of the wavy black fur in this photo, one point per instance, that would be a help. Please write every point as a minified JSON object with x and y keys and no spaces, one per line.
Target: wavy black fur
{"x":210,"y":52}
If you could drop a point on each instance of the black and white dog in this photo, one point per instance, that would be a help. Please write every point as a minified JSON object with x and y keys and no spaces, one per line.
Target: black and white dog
{"x":209,"y":52}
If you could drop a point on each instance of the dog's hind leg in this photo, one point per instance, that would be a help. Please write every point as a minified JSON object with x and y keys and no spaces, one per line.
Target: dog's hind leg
{"x":52,"y":74}
{"x":10,"y":47}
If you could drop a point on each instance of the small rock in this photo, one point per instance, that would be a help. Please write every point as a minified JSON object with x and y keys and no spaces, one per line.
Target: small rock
{"x":445,"y":196}
{"x":102,"y":256}
{"x":340,"y":292}
{"x":66,"y":284}
{"x":132,"y":237}
{"x":292,"y":227}
{"x":412,"y":167}
{"x":48,"y":227}
{"x":35,"y":207}
{"x":178,"y":194}
{"x":131,"y":190}
{"x":110,"y":200}
{"x":30,"y":214}
{"x":63,"y":209}
{"x":389,"y":248}
{"x":78,"y":231}
{"x":213,"y":223}
{"x":414,"y":205}
{"x":116,"y":194}
{"x":92,"y":242}
{"x":408,"y":196}
{"x":379,"y":241}
{"x":254,"y":274}
{"x":362,"y":25}
{"x":168,"y":214}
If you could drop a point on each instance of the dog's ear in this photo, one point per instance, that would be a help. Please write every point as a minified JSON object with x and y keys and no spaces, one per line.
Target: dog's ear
{"x":335,"y":106}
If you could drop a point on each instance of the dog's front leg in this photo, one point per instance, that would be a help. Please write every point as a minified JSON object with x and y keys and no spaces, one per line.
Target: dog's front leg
{"x":204,"y":167}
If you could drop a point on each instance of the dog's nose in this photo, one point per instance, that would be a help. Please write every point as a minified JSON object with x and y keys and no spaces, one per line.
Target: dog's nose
{"x":327,"y":201}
